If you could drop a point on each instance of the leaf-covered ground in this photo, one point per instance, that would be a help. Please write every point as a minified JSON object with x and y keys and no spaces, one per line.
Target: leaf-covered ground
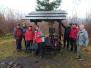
{"x":63,"y":59}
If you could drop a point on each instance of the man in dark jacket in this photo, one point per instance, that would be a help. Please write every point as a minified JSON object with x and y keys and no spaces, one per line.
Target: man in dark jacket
{"x":66,"y":37}
{"x":18,"y":37}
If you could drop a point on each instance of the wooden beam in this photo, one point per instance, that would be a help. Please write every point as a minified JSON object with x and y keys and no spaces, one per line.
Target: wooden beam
{"x":60,"y":30}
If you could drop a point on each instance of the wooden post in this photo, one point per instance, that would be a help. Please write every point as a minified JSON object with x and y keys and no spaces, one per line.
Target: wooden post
{"x":36,"y":23}
{"x":51,"y":28}
{"x":60,"y":30}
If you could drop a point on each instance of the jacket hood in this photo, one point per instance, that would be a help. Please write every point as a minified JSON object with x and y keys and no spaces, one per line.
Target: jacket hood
{"x":73,"y":27}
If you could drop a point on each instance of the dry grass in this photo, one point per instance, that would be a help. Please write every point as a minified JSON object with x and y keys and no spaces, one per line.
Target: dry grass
{"x":64,"y":59}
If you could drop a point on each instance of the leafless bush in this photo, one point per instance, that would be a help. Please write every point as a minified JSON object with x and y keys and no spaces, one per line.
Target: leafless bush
{"x":7,"y":23}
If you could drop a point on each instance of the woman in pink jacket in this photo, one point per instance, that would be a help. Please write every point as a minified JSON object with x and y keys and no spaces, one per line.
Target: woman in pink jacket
{"x":39,"y":39}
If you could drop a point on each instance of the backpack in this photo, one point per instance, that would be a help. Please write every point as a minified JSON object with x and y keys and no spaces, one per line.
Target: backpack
{"x":18,"y":32}
{"x":73,"y":33}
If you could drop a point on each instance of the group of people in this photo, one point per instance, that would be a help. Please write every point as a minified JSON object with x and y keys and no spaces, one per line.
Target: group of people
{"x":30,"y":37}
{"x":75,"y":39}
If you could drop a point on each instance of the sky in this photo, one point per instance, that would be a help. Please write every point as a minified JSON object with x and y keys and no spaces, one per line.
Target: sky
{"x":72,"y":7}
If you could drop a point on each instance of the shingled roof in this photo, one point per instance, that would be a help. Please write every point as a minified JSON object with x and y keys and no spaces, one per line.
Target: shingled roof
{"x":46,"y":15}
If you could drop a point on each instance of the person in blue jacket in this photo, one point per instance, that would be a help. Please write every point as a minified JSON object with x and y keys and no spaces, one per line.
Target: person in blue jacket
{"x":24,"y":28}
{"x":82,"y":42}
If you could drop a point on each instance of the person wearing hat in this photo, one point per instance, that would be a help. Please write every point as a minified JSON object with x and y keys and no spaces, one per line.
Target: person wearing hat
{"x":82,"y":42}
{"x":18,"y":37}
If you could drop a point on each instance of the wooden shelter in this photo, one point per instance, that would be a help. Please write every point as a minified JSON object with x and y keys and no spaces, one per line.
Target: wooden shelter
{"x":49,"y":16}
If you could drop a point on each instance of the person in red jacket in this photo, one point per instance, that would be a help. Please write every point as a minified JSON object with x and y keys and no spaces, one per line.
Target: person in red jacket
{"x":73,"y":37}
{"x":39,"y":39}
{"x":29,"y":38}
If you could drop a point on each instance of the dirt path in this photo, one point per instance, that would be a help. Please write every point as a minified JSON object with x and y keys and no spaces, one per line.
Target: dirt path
{"x":49,"y":61}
